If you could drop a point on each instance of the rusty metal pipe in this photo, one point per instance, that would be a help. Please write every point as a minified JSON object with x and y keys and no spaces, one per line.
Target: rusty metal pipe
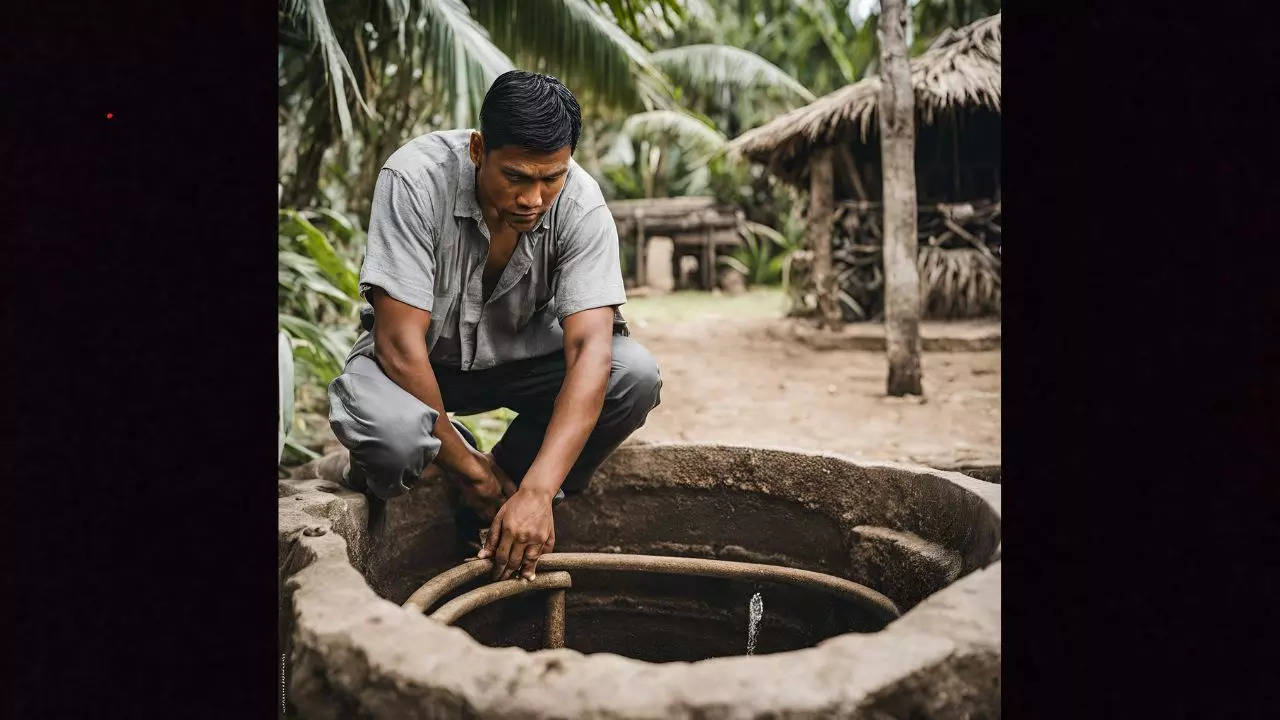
{"x":449,"y":580}
{"x":486,"y":594}
{"x":446,"y":582}
{"x":847,"y":589}
{"x":555,"y":619}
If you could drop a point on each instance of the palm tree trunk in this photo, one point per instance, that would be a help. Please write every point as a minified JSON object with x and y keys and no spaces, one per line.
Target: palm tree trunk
{"x":304,"y":188}
{"x":821,"y":204}
{"x":897,"y":161}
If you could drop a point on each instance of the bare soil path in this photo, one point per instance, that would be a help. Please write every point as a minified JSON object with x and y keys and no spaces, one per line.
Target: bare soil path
{"x":728,"y":379}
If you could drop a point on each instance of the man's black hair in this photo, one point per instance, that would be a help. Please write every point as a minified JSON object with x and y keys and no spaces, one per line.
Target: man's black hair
{"x":530,"y":110}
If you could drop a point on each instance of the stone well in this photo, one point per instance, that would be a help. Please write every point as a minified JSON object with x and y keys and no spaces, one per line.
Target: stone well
{"x":641,"y":645}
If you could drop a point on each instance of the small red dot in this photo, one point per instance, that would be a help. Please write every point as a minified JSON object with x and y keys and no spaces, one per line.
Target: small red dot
{"x":110,"y":115}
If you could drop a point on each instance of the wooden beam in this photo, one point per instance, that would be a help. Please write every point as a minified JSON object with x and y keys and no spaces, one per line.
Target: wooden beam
{"x":641,"y":278}
{"x":708,"y":263}
{"x":821,"y":204}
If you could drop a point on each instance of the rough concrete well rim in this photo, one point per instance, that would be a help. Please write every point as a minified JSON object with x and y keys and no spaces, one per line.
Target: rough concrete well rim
{"x":987,"y":491}
{"x":840,"y":670}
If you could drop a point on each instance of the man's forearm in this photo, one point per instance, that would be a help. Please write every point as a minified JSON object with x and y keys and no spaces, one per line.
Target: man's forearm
{"x":410,"y":368}
{"x":577,"y":408}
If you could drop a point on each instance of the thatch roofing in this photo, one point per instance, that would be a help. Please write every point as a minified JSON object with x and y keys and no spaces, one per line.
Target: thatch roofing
{"x":961,"y":68}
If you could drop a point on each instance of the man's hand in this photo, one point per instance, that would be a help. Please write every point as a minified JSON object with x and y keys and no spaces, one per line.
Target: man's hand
{"x":521,"y":532}
{"x":484,"y":486}
{"x":524,"y":530}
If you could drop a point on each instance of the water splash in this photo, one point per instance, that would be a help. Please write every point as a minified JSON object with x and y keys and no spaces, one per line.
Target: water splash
{"x":756,"y":607}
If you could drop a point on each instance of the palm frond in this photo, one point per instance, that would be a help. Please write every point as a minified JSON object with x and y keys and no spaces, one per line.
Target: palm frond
{"x":462,"y":57}
{"x":659,"y":21}
{"x":620,"y":151}
{"x":822,"y":18}
{"x":711,"y":68}
{"x":578,"y":43}
{"x":670,"y":126}
{"x":398,"y":10}
{"x":631,"y":15}
{"x":337,"y":69}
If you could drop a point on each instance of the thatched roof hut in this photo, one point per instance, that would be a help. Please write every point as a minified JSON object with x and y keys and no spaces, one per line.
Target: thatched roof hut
{"x":831,"y":147}
{"x":957,"y":95}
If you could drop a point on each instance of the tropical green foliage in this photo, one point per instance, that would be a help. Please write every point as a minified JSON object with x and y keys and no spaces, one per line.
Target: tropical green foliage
{"x":719,"y":69}
{"x":317,"y":285}
{"x":317,"y":301}
{"x":765,"y":255}
{"x":584,"y":47}
{"x":664,"y":84}
{"x":661,"y":153}
{"x":358,"y":79}
{"x":488,"y":427}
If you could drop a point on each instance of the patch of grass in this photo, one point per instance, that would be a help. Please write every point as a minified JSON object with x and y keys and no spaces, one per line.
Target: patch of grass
{"x":488,"y":427}
{"x":685,"y":305}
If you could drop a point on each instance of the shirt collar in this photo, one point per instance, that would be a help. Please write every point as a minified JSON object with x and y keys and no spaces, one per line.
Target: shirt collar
{"x":464,"y":199}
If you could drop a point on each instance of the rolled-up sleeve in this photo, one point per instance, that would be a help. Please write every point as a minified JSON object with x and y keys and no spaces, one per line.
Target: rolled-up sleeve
{"x":587,"y":274}
{"x":400,"y":252}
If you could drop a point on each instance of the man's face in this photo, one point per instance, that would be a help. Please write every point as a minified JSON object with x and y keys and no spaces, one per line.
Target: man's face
{"x":521,"y":184}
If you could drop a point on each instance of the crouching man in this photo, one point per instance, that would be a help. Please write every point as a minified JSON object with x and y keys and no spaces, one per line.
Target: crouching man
{"x":493,"y":279}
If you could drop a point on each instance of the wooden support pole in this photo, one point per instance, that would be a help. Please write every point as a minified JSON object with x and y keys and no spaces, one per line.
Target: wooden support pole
{"x":896,"y":111}
{"x":821,"y":203}
{"x":708,"y":262}
{"x":642,"y":277}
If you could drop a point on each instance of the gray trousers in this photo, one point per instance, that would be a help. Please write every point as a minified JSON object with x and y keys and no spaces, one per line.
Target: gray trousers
{"x":389,"y":431}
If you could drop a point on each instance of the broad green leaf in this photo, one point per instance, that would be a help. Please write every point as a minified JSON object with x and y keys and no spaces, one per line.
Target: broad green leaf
{"x":321,"y":251}
{"x":342,"y":227}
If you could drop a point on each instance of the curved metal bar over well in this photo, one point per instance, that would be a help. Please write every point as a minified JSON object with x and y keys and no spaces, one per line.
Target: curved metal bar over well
{"x":730,"y":569}
{"x":449,"y":580}
{"x":486,"y":594}
{"x":446,"y":582}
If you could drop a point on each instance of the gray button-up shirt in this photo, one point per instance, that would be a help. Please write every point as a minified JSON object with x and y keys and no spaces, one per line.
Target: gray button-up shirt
{"x":427,"y":245}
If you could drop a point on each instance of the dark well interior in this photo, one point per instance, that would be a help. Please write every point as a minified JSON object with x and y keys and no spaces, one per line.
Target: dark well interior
{"x":661,"y":618}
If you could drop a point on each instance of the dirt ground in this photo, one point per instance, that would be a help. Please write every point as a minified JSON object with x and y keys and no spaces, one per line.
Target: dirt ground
{"x":727,"y":379}
{"x":730,"y":376}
